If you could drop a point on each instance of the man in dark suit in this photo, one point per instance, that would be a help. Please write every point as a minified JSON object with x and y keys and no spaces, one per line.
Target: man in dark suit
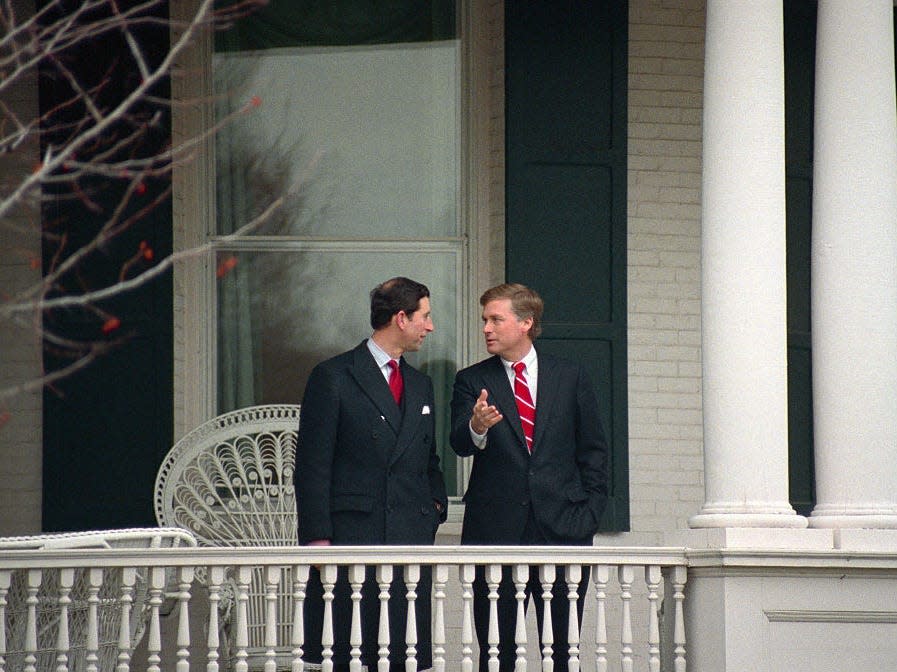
{"x":367,"y":471}
{"x":539,"y":474}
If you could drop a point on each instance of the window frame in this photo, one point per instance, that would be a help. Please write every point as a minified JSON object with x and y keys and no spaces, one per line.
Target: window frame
{"x":480,"y":209}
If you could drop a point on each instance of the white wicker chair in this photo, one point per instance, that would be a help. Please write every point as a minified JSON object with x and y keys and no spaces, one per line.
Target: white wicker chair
{"x":230,"y":483}
{"x":48,"y":608}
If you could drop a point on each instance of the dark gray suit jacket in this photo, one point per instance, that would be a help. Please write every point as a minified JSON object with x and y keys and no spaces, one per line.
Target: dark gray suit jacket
{"x":564,"y":481}
{"x":366,"y":473}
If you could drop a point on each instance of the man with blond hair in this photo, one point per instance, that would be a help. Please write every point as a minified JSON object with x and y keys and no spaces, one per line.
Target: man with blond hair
{"x":531,"y":422}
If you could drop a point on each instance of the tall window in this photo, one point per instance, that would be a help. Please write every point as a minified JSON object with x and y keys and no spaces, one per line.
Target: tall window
{"x":354,"y":115}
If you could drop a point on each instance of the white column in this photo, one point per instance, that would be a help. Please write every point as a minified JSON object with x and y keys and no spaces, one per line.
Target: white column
{"x":854,"y":266}
{"x":743,"y":308}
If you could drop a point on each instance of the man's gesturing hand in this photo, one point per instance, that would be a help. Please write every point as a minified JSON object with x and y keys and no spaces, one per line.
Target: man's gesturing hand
{"x":484,"y":415}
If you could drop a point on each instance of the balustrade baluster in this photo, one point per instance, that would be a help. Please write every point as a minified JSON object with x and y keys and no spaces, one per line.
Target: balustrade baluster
{"x":384,"y":578}
{"x":154,"y":643}
{"x":63,"y":643}
{"x":95,"y":580}
{"x":493,"y":577}
{"x":679,"y":576}
{"x":601,"y":577}
{"x":652,"y":579}
{"x":126,"y":602}
{"x":412,"y":578}
{"x":356,"y":580}
{"x":440,"y":579}
{"x":521,"y":576}
{"x":466,"y":575}
{"x":328,"y":581}
{"x":574,"y":576}
{"x":34,"y":581}
{"x":272,"y":587}
{"x":185,"y":578}
{"x":244,"y":576}
{"x":626,"y":575}
{"x":547,"y":575}
{"x":300,"y":582}
{"x":216,"y":578}
{"x":5,"y":582}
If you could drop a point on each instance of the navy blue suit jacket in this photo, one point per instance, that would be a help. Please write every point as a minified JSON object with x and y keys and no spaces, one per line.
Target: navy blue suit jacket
{"x":365,"y":472}
{"x":565,"y":480}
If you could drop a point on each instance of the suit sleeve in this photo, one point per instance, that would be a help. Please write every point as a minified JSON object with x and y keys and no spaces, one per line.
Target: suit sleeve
{"x":591,"y":448}
{"x":463,"y":398}
{"x":434,"y":471}
{"x":315,"y":449}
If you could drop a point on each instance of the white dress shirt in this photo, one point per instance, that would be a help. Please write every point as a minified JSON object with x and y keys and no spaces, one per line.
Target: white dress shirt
{"x":381,"y":358}
{"x":531,"y":361}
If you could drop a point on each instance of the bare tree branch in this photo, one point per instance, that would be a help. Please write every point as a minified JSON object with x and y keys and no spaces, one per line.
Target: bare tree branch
{"x":102,"y":142}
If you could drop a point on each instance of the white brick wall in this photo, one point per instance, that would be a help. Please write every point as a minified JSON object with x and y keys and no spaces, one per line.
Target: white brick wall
{"x":664,"y":237}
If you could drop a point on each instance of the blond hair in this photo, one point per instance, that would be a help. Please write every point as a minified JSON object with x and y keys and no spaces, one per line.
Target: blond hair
{"x":525,"y":303}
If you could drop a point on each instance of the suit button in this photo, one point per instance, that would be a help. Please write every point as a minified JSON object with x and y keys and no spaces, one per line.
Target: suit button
{"x":524,"y":503}
{"x":532,"y":473}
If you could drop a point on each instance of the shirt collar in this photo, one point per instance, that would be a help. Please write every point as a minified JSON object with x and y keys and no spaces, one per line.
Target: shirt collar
{"x":379,"y":353}
{"x":529,"y":359}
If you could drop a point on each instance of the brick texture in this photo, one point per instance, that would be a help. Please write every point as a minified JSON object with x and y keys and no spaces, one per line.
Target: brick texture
{"x":666,"y":52}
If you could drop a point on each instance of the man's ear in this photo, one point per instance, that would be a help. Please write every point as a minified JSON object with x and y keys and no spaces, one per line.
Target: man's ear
{"x":400,"y":319}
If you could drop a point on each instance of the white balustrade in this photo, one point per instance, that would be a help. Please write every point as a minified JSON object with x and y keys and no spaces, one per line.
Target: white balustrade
{"x":171,"y":589}
{"x":356,"y":580}
{"x":185,"y":580}
{"x":384,"y":578}
{"x":547,"y":576}
{"x":216,"y":578}
{"x":440,"y":579}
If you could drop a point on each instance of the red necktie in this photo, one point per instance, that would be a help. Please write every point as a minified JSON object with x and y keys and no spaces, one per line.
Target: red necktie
{"x":396,"y":384}
{"x":525,"y":406}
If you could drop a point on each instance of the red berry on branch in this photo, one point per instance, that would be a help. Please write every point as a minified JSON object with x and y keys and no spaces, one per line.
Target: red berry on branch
{"x":226,"y":266}
{"x":111,"y":325}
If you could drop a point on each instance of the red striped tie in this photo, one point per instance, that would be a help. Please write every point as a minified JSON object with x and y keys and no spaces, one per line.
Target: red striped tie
{"x":525,"y":406}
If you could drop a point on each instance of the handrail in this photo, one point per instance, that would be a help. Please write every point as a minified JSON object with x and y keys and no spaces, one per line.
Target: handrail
{"x":348,"y":555}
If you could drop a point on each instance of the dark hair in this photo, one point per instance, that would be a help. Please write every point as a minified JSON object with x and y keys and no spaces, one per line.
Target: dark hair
{"x":394,"y":296}
{"x":525,"y":302}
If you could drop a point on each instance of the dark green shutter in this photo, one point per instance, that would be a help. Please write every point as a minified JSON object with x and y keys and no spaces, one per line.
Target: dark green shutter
{"x":566,"y":79}
{"x":800,"y":52}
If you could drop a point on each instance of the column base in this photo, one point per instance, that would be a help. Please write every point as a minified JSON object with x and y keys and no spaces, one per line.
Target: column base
{"x":834,"y":517}
{"x":747,"y":515}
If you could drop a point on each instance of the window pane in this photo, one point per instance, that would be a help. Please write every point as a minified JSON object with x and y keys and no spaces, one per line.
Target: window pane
{"x":371,"y":132}
{"x":282,"y":312}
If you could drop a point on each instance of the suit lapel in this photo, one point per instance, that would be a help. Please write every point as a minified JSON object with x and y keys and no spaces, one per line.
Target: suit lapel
{"x":499,"y":387}
{"x":414,"y":398}
{"x":374,"y":385}
{"x":546,"y":396}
